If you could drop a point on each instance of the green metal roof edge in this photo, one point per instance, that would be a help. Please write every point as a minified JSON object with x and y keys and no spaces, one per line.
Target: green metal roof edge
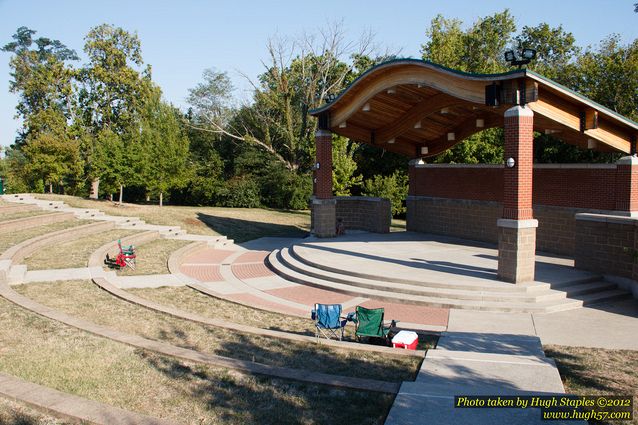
{"x":584,"y":98}
{"x":523,"y":71}
{"x":415,"y":61}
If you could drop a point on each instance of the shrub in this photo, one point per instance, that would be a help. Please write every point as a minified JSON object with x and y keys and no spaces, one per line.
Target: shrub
{"x":284,"y":189}
{"x":241,"y":192}
{"x":393,"y":187}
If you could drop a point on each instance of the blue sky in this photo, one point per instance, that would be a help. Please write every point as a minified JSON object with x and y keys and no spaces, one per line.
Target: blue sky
{"x":181,"y":39}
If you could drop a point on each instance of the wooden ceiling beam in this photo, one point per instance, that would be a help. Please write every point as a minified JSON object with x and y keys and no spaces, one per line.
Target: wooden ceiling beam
{"x":462,"y":132}
{"x":415,"y":114}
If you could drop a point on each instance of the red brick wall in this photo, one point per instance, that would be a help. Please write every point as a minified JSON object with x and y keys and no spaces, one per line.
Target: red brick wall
{"x":517,"y":181}
{"x":323,"y":176}
{"x":591,"y":187}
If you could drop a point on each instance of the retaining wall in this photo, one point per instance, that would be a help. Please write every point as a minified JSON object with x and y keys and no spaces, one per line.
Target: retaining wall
{"x":364,"y":213}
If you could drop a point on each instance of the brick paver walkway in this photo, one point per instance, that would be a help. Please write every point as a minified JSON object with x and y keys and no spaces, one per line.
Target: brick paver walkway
{"x":255,"y":285}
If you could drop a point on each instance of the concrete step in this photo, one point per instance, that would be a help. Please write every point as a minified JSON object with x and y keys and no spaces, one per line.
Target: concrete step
{"x":16,"y":274}
{"x":451,"y":291}
{"x":223,"y":243}
{"x":196,"y":238}
{"x":275,"y":262}
{"x":603,"y":296}
{"x":586,"y":288}
{"x":495,"y":285}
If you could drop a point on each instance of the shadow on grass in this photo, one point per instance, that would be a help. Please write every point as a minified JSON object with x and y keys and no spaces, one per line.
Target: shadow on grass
{"x":245,"y":230}
{"x":235,"y":398}
{"x":306,"y":356}
{"x":570,"y":367}
{"x":19,"y":418}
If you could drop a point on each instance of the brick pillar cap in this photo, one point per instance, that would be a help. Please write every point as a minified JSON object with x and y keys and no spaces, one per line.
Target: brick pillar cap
{"x":516,"y":224}
{"x":628,"y":160}
{"x":321,"y":133}
{"x":519,"y":111}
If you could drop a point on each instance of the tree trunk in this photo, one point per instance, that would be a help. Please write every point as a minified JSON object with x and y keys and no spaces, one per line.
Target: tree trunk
{"x":111,"y":197}
{"x":148,"y":198}
{"x":121,"y":192}
{"x":161,"y":198}
{"x":50,"y":187}
{"x":95,"y":189}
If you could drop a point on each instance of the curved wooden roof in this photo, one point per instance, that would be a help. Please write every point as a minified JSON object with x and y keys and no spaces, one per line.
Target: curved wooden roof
{"x":404,"y":105}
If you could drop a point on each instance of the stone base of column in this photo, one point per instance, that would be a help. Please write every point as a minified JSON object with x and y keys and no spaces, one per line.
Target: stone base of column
{"x":516,"y":250}
{"x":324,"y":217}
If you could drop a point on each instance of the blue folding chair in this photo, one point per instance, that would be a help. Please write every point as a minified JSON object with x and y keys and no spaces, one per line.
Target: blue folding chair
{"x":328,"y":321}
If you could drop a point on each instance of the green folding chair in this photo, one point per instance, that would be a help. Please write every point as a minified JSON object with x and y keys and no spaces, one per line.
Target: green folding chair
{"x":369,"y":323}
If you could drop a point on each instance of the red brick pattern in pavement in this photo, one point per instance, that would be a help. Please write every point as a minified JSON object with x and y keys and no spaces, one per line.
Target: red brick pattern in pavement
{"x":207,"y":273}
{"x":252,"y":257}
{"x":309,"y":295}
{"x":258,"y":302}
{"x":249,"y":271}
{"x":411,"y":313}
{"x":208,"y":256}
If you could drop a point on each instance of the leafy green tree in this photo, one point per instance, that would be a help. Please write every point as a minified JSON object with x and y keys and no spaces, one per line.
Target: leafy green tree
{"x":393,"y":187}
{"x":609,"y":75}
{"x":166,"y":150}
{"x":45,"y":150}
{"x":556,"y":51}
{"x":53,"y":160}
{"x":113,"y":97}
{"x":478,"y":49}
{"x":43,"y":81}
{"x":485,"y":147}
{"x":446,"y":43}
{"x":344,"y":166}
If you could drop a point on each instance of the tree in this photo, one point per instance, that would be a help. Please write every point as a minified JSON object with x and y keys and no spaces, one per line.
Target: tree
{"x":52,"y":160}
{"x":446,"y":43}
{"x":43,"y":81}
{"x":556,"y":51}
{"x":300,"y":75}
{"x":478,"y":49}
{"x":166,"y":149}
{"x":45,"y":150}
{"x":113,"y":98}
{"x":344,"y":166}
{"x":609,"y":76}
{"x":393,"y":187}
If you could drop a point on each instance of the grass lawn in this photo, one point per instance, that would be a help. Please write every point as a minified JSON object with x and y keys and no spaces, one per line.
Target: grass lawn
{"x":240,"y":224}
{"x":22,"y":214}
{"x":597,"y":371}
{"x":12,"y":413}
{"x":152,"y":257}
{"x":85,"y":300}
{"x":9,"y":239}
{"x":74,"y":253}
{"x":193,"y":301}
{"x":69,"y":360}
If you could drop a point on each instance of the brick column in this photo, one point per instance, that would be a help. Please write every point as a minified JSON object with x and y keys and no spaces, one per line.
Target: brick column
{"x":323,"y":203}
{"x":517,"y":228}
{"x":627,"y":186}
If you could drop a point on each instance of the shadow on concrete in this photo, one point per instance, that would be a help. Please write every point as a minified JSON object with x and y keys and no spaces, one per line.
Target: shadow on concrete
{"x":523,"y":345}
{"x":439,"y":266}
{"x":243,"y":230}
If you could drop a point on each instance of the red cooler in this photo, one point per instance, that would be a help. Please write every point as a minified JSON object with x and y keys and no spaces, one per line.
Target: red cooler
{"x":406,"y":339}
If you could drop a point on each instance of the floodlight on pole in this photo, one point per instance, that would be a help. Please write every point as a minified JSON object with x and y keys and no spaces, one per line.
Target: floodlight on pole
{"x":526,"y":57}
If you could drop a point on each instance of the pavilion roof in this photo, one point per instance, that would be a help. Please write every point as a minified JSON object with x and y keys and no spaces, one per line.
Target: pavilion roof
{"x":405,"y":105}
